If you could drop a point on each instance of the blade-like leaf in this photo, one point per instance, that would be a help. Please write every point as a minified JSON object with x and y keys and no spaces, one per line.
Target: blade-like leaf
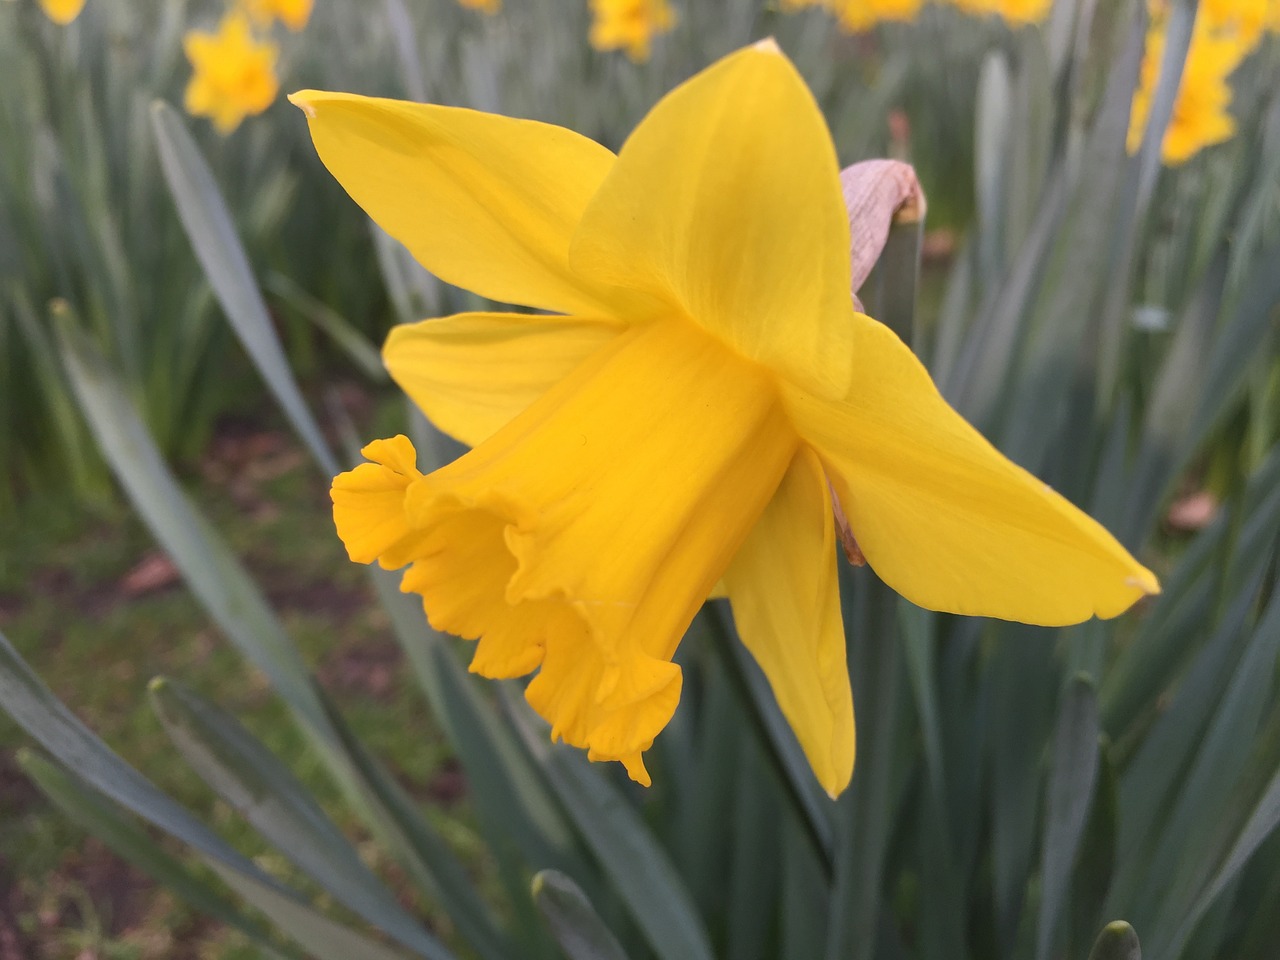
{"x":633,"y":861}
{"x":1117,"y":941}
{"x":213,"y":236}
{"x":262,"y":790}
{"x":1071,"y":784}
{"x":106,"y":821}
{"x":337,"y":328}
{"x":574,"y":923}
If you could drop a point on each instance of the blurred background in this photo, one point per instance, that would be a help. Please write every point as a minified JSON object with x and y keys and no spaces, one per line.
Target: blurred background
{"x":190,"y":316}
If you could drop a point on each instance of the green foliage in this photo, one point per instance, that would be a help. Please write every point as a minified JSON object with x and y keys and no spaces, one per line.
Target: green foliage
{"x":1017,"y":789}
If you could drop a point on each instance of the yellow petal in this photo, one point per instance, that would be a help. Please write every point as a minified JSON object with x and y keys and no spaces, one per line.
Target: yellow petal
{"x":942,"y":516}
{"x":786,"y":604}
{"x":485,"y":202}
{"x":473,"y":372}
{"x":585,"y":534}
{"x":368,"y":504}
{"x":725,"y":203}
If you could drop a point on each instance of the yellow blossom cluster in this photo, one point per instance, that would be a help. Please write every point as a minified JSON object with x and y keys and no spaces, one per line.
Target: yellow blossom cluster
{"x":1225,"y":32}
{"x":233,"y":69}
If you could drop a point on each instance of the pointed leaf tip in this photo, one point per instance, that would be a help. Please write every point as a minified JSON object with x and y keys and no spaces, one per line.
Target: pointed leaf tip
{"x":1117,"y":941}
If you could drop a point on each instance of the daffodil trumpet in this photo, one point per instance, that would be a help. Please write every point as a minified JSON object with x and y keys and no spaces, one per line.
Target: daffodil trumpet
{"x":699,"y":404}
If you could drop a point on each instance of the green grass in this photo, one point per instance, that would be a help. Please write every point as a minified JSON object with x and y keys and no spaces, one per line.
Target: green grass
{"x":64,"y":604}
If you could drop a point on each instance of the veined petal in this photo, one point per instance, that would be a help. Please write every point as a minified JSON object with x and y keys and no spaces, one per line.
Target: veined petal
{"x":583,"y":536}
{"x":473,"y":372}
{"x":941,"y":515}
{"x":483,"y":201}
{"x":726,"y":203}
{"x":786,"y":604}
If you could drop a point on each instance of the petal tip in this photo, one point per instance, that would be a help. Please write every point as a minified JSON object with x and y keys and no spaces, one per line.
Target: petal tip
{"x":1145,"y":581}
{"x":767,"y":45}
{"x":303,"y":101}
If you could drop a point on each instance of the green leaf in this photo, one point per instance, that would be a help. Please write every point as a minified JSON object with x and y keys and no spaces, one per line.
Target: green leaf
{"x":993,"y":112}
{"x":210,"y":569}
{"x":1217,"y":778}
{"x":771,"y":728}
{"x":212,"y":232}
{"x":53,"y":726}
{"x":1117,"y":941}
{"x":337,"y":328}
{"x":629,"y":854}
{"x":47,"y":720}
{"x":1071,"y":784}
{"x":262,"y":790}
{"x":1096,"y":857}
{"x":864,"y":815}
{"x":573,"y":922}
{"x":106,"y":821}
{"x":321,"y":937}
{"x":1023,"y":682}
{"x":424,"y":854}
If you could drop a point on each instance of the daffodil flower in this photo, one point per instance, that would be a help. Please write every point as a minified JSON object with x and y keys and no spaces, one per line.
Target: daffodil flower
{"x":629,"y":25}
{"x":294,"y":14}
{"x":62,"y":11}
{"x":233,"y":74}
{"x":686,"y":420}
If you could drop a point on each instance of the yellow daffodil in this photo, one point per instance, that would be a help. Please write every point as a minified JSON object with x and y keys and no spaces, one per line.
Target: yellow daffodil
{"x":233,"y":73}
{"x":294,"y":14}
{"x":489,"y":7}
{"x":1201,"y":111}
{"x":701,"y":405}
{"x":1246,"y":19}
{"x":62,"y":11}
{"x":1015,"y":12}
{"x":858,"y":16}
{"x":629,"y":25}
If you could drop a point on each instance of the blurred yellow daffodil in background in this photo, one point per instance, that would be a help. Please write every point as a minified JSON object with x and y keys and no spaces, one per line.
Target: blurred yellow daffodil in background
{"x":294,"y":14}
{"x":1225,"y":32}
{"x":233,"y":73}
{"x":857,"y":16}
{"x":629,"y":25}
{"x":1014,"y":12}
{"x":489,"y":7}
{"x":701,"y":406}
{"x":62,"y":11}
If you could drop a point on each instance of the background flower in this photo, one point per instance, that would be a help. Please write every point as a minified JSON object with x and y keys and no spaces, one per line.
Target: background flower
{"x":233,"y":73}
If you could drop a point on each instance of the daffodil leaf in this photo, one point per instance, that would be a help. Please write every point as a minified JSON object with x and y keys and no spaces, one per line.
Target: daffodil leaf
{"x":1152,"y":780}
{"x":106,"y":821}
{"x":337,"y":328}
{"x":574,"y":923}
{"x":263,"y":791}
{"x":1117,"y":941}
{"x":627,"y":851}
{"x":864,"y":813}
{"x":1220,"y":774}
{"x":213,"y":236}
{"x":1072,"y":778}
